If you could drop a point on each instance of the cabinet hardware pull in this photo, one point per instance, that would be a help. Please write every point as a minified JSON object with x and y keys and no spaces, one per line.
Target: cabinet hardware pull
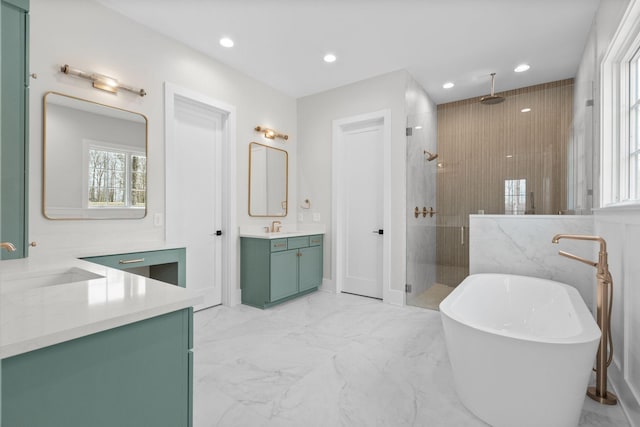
{"x":279,"y":245}
{"x":130,"y":261}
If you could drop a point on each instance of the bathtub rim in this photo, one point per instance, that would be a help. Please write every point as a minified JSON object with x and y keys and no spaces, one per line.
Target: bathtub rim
{"x":590,"y":330}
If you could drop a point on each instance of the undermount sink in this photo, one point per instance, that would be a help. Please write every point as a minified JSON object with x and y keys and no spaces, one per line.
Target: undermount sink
{"x":36,"y":279}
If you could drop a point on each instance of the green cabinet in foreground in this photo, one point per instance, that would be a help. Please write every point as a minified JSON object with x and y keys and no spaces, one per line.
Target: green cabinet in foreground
{"x":134,"y":375}
{"x":277,"y":270}
{"x":14,"y":125}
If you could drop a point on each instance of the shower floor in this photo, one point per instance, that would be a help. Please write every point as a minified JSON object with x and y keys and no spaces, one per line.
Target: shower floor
{"x":432,"y":297}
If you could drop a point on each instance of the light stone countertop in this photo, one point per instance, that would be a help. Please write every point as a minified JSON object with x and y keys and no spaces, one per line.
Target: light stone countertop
{"x":278,"y":235}
{"x":289,"y":230}
{"x":34,"y":316}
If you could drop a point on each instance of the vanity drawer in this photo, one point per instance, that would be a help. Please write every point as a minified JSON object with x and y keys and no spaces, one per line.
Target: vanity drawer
{"x":315,"y":240}
{"x":166,"y":265}
{"x":278,"y":245}
{"x":298,"y":242}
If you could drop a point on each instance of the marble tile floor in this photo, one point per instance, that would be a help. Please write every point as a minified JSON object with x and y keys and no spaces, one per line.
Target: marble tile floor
{"x":332,"y":360}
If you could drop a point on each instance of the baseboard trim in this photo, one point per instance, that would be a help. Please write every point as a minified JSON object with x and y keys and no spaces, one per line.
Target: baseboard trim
{"x":626,"y":399}
{"x":236,"y":298}
{"x":328,"y":285}
{"x":395,"y":297}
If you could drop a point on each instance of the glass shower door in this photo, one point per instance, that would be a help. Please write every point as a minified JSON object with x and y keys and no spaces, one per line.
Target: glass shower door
{"x":437,"y":238}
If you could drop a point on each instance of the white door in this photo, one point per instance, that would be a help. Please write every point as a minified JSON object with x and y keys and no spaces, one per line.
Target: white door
{"x":363,"y":209}
{"x":194,"y":194}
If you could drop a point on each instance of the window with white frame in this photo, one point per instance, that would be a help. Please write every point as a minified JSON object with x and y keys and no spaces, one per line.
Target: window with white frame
{"x":631,"y":156}
{"x":116,"y":177}
{"x":620,"y":154}
{"x":515,"y":196}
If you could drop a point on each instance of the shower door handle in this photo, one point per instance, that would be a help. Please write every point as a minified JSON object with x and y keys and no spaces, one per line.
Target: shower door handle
{"x":462,"y":235}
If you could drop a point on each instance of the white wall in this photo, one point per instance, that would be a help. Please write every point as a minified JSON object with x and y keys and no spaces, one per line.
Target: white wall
{"x":315,"y":116}
{"x":619,"y":226}
{"x":91,"y":37}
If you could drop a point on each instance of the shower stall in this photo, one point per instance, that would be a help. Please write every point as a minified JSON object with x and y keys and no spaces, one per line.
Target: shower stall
{"x":507,"y":158}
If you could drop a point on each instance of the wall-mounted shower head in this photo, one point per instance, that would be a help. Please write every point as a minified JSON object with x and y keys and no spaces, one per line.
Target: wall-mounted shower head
{"x":430,"y":156}
{"x":493,"y":98}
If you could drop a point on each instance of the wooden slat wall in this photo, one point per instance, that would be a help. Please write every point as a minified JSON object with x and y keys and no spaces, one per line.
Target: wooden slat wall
{"x":473,"y":142}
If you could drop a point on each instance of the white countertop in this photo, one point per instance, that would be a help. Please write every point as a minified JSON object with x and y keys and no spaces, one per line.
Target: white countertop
{"x":257,"y":232}
{"x":278,"y":235}
{"x":42,"y":316}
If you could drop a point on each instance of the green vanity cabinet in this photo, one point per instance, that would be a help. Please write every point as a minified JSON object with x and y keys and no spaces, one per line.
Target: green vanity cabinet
{"x":276,"y":270}
{"x":138,"y":375}
{"x":166,"y":265}
{"x":14,"y":113}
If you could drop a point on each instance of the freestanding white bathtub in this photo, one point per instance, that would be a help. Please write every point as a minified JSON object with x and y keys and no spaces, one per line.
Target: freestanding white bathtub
{"x":521,"y":349}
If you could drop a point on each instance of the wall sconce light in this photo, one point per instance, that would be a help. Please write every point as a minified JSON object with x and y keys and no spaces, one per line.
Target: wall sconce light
{"x":101,"y":81}
{"x":270,"y":133}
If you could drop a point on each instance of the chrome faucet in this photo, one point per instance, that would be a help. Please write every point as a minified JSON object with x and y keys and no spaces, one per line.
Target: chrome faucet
{"x":10,"y":247}
{"x":604,"y":303}
{"x":275,"y":226}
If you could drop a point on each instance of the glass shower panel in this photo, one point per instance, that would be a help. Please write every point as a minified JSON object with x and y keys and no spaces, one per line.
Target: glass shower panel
{"x":424,"y":274}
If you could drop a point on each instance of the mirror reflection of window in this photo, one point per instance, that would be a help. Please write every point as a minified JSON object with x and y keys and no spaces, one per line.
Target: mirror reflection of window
{"x":116,"y":178}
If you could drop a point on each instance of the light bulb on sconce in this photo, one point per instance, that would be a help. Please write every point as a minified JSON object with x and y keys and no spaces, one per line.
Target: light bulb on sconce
{"x":105,"y":83}
{"x":270,"y":133}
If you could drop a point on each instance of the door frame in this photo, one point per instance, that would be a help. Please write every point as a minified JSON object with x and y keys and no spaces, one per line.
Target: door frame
{"x":338,"y":195}
{"x":230,"y":293}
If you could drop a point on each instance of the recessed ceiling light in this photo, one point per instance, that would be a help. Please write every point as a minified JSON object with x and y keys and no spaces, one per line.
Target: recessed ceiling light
{"x":226,"y":42}
{"x":521,"y":68}
{"x":525,"y":110}
{"x":418,"y":127}
{"x":330,"y":57}
{"x":448,"y":85}
{"x":508,"y":156}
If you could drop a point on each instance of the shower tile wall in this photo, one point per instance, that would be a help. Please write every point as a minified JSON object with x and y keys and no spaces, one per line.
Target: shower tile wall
{"x":482,"y":146}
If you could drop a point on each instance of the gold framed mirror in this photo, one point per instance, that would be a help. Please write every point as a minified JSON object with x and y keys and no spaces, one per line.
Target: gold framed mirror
{"x":94,"y":160}
{"x":268,"y":181}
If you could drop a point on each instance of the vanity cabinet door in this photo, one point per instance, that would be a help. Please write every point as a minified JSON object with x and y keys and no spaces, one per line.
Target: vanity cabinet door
{"x":13,"y":123}
{"x":310,"y":267}
{"x":284,"y":274}
{"x":133,"y":375}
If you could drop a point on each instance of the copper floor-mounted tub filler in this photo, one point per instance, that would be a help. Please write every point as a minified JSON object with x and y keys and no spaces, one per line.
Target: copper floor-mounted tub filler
{"x":604,"y":297}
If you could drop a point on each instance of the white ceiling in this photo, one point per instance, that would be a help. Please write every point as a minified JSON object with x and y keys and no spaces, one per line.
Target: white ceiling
{"x":282,"y":42}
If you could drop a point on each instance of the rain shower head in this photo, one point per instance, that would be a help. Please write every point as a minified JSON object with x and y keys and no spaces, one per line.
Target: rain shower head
{"x":430,"y":156}
{"x":493,"y":98}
